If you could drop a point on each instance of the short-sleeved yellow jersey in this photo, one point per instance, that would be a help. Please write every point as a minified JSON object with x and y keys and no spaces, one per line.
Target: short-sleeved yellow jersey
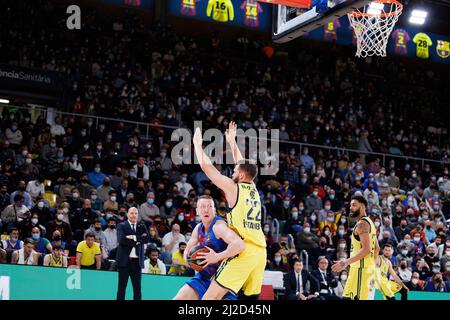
{"x":245,"y":217}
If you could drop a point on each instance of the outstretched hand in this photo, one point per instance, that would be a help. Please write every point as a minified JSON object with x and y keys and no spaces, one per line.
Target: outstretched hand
{"x":197,"y":140}
{"x":230,"y":134}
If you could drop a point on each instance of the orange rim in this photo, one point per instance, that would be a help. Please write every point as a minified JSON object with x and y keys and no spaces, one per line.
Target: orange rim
{"x":359,"y":14}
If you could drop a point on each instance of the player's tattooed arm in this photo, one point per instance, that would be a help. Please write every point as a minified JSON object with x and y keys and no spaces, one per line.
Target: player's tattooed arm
{"x":362,"y":227}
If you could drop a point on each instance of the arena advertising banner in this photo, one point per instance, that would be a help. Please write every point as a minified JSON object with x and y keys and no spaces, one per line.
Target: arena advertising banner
{"x":241,"y":13}
{"x":20,"y":78}
{"x":409,"y":42}
{"x":19,"y":282}
{"x":138,"y":4}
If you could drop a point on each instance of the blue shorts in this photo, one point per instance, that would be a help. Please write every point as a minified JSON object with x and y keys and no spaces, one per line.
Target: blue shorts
{"x":200,"y":284}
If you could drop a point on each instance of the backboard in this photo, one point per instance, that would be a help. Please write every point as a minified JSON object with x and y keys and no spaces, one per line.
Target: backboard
{"x":290,"y":23}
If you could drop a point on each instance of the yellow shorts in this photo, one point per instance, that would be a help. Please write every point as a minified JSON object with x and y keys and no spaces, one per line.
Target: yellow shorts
{"x":360,"y":284}
{"x":387,"y":287}
{"x":245,"y":271}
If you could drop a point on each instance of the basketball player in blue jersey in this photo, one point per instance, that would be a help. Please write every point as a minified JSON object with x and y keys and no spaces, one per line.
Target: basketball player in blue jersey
{"x":223,"y":243}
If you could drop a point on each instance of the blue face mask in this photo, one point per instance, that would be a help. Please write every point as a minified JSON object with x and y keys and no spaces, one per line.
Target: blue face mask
{"x":286,"y":203}
{"x":183,"y":179}
{"x":97,"y":170}
{"x":332,"y":196}
{"x":151,"y":200}
{"x":60,"y":154}
{"x":169,"y":204}
{"x":35,"y":236}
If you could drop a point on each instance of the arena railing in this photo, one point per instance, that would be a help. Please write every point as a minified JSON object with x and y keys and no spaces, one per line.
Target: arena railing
{"x":43,"y":111}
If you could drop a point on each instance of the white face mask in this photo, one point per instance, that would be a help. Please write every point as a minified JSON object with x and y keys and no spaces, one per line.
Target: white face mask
{"x":277,"y":260}
{"x":66,"y":210}
{"x":307,"y":229}
{"x":344,"y":277}
{"x":34,"y":221}
{"x":377,"y":224}
{"x":414,"y":281}
{"x":60,"y":217}
{"x":40,"y":204}
{"x":342,"y":246}
{"x":313,"y":218}
{"x":113,"y":199}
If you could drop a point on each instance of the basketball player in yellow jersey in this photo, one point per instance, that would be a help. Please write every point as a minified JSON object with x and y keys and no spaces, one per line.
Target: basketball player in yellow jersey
{"x":382,"y":283}
{"x":364,"y":244}
{"x":244,"y":271}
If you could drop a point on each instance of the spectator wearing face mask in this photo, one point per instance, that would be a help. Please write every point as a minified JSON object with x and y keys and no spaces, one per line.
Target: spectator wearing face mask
{"x":57,"y":241}
{"x":180,"y":219}
{"x":284,"y":246}
{"x":184,"y":186}
{"x":96,"y":178}
{"x":431,"y":259}
{"x":63,"y":227}
{"x":96,"y":203}
{"x":83,"y":220}
{"x":111,"y":203}
{"x":104,"y":190}
{"x":313,"y":202}
{"x":85,"y":188}
{"x":293,"y":225}
{"x":277,"y":263}
{"x":21,"y":190}
{"x":9,"y":214}
{"x":96,"y":230}
{"x":330,"y":223}
{"x":282,"y":212}
{"x":41,"y":244}
{"x":416,"y":284}
{"x":12,"y":243}
{"x":75,"y":201}
{"x":110,"y":236}
{"x":404,"y":272}
{"x":268,"y":235}
{"x":141,"y":169}
{"x":171,"y":241}
{"x":411,"y":202}
{"x":164,"y":163}
{"x":148,"y":210}
{"x":167,"y":211}
{"x":401,"y":230}
{"x":339,"y":290}
{"x":445,"y":256}
{"x":404,"y":254}
{"x":446,"y":272}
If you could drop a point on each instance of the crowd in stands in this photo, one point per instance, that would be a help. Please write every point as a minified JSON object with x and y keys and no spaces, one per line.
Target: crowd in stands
{"x":66,"y":181}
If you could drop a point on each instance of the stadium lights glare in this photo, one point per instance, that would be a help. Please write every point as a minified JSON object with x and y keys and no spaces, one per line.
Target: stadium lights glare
{"x":375,"y":8}
{"x":6,"y":101}
{"x":418,"y":16}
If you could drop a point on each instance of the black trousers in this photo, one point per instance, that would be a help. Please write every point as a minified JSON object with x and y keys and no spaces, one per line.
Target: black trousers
{"x":134,"y":272}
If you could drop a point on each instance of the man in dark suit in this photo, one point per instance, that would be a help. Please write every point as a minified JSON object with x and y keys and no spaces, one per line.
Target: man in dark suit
{"x":131,"y":237}
{"x":326,"y":280}
{"x":296,"y":284}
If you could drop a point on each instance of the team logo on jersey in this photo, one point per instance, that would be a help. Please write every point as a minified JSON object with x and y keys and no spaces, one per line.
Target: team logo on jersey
{"x":443,"y":48}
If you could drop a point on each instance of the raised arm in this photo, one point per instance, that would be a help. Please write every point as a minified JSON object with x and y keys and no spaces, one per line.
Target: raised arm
{"x":230,"y":136}
{"x":226,"y":184}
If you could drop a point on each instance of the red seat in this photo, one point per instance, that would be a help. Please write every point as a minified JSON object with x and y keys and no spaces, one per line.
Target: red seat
{"x":72,"y":261}
{"x":266,"y":293}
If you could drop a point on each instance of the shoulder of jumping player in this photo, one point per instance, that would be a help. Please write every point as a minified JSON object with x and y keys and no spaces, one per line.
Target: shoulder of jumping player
{"x":362,"y":227}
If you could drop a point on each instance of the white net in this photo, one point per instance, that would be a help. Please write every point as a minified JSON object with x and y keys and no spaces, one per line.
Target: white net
{"x":373,"y":25}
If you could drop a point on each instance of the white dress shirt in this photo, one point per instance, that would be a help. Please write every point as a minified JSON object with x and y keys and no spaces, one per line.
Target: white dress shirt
{"x":299,"y":282}
{"x":133,"y":250}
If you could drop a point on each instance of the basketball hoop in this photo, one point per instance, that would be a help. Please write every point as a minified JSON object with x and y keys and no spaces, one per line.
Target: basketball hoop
{"x":372,"y":26}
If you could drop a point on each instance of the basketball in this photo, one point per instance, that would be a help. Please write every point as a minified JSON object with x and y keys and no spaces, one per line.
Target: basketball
{"x":193,"y":259}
